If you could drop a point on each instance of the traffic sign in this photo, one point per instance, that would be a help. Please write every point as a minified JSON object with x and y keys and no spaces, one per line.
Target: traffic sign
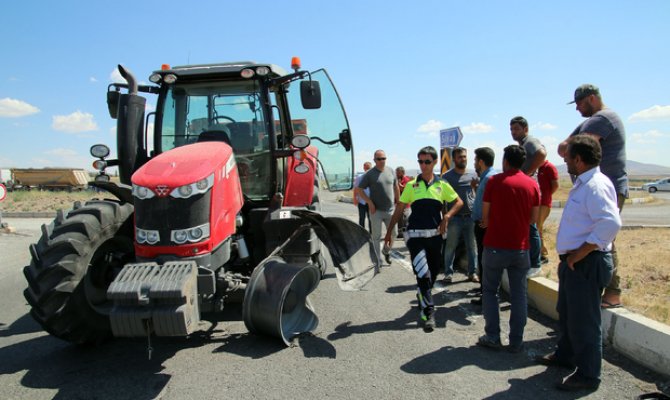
{"x":3,"y":192}
{"x":450,"y":137}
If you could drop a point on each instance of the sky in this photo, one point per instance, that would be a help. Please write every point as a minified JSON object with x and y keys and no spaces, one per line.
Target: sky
{"x":403,"y":72}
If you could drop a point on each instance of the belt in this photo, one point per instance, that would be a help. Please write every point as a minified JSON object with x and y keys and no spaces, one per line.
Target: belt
{"x":420,"y":233}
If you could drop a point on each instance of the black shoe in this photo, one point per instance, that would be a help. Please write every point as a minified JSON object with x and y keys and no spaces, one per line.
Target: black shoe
{"x":575,"y":382}
{"x":429,"y":324}
{"x":550,"y":360}
{"x":448,"y":279}
{"x":486,"y":341}
{"x":514,"y":348}
{"x":477,"y":302}
{"x":387,"y":257}
{"x":544,"y":260}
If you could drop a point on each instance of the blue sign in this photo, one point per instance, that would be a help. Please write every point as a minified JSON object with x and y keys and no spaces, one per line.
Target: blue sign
{"x":450,"y":137}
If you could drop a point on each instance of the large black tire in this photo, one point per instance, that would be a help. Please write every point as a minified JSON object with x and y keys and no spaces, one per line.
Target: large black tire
{"x":73,"y":263}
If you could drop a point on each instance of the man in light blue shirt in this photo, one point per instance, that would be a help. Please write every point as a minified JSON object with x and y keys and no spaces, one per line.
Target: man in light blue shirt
{"x":589,"y":224}
{"x":484,"y":157}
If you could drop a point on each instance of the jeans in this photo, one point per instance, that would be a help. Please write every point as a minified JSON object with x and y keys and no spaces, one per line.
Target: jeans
{"x":460,"y":225}
{"x":535,"y":246}
{"x":580,"y":340}
{"x":376,"y":220}
{"x":516,"y":262}
{"x":363,"y":214}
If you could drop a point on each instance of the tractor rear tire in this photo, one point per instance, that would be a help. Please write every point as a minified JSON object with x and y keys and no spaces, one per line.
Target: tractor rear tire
{"x":78,"y":256}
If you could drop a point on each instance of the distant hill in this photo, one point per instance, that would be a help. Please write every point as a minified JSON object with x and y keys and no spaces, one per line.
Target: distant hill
{"x":634,"y":168}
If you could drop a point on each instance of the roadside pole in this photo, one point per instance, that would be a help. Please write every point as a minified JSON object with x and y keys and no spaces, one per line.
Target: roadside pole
{"x":449,"y":139}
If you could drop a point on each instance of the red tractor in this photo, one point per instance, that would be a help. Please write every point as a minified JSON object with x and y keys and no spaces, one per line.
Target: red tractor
{"x":218,"y":202}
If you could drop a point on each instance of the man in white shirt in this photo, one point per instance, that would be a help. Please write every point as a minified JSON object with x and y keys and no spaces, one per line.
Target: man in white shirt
{"x":588,"y":226}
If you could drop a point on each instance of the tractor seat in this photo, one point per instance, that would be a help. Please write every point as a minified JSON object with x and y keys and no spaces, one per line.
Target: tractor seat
{"x":215,"y":134}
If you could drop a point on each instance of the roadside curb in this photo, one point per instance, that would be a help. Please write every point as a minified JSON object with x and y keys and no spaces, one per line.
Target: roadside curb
{"x":637,"y":200}
{"x":637,"y":337}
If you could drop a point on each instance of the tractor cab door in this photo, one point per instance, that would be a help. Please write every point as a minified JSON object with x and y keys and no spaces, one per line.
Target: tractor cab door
{"x":328,"y":129}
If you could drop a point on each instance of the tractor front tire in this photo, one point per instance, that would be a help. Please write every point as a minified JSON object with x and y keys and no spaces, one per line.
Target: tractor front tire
{"x":78,"y":256}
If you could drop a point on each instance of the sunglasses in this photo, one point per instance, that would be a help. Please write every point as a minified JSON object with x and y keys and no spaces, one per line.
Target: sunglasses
{"x":381,"y":159}
{"x":427,"y":162}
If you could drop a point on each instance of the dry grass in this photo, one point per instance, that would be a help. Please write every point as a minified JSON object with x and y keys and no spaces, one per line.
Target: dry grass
{"x":42,"y":201}
{"x":645,"y":277}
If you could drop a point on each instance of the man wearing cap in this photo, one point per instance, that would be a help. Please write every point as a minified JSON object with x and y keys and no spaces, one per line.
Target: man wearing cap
{"x":535,"y":157}
{"x":606,"y":127}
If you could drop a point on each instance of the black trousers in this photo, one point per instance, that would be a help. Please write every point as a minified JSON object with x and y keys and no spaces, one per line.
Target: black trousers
{"x":426,"y":254}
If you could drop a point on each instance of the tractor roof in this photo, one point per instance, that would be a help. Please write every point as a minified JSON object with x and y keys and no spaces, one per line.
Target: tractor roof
{"x":228,"y":68}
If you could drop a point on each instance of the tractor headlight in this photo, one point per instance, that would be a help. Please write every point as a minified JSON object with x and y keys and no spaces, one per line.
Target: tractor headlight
{"x":199,"y":187}
{"x":192,"y":235}
{"x":142,"y":192}
{"x":147,"y":236}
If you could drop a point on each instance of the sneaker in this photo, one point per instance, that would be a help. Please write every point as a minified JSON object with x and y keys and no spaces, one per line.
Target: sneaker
{"x":574,"y":382}
{"x":477,"y":301}
{"x":544,"y":260}
{"x":533,"y":272}
{"x":486,"y":341}
{"x":448,"y":279}
{"x":387,"y":257}
{"x":473,"y":278}
{"x":429,"y":324}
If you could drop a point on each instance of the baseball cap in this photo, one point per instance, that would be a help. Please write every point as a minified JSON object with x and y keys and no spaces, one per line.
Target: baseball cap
{"x":585,"y":90}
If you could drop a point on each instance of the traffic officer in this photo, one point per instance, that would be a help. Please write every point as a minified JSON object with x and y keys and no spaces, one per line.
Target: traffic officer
{"x":427,"y":194}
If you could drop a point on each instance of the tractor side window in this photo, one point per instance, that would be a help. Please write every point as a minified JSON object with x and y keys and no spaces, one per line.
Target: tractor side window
{"x":325,"y":124}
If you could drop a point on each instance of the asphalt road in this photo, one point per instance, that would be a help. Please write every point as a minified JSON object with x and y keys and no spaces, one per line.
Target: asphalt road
{"x":367,"y":345}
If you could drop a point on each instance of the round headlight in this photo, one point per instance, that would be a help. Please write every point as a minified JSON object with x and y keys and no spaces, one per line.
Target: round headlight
{"x":170,"y":78}
{"x":202,"y":184}
{"x":180,"y":236}
{"x":142,"y":192}
{"x":301,"y":168}
{"x":152,"y":237}
{"x":185,"y":191}
{"x":155,"y":78}
{"x":300,"y":141}
{"x":99,"y":164}
{"x":262,"y":71}
{"x":99,"y":150}
{"x":141,"y":235}
{"x":247,"y":73}
{"x":195,"y":233}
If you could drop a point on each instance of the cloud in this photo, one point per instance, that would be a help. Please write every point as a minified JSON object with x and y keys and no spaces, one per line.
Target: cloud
{"x":12,"y":108}
{"x":116,"y":77}
{"x":543,"y":126}
{"x":61,"y":152}
{"x":432,"y":128}
{"x":654,"y":113}
{"x":477,"y":127}
{"x":649,"y":137}
{"x":92,"y":79}
{"x":74,"y":123}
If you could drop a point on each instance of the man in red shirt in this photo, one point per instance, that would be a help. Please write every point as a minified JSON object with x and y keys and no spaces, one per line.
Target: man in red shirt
{"x":511,"y":204}
{"x":547,"y":178}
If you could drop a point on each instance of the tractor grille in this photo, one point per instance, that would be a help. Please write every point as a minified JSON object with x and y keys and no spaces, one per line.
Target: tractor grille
{"x":165,"y":214}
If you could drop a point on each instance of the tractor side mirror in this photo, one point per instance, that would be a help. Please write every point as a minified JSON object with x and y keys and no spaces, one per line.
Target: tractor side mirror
{"x":310,"y":94}
{"x":113,"y":103}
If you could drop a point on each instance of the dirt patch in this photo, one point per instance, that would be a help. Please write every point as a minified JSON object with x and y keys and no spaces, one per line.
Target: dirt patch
{"x":645,"y":276}
{"x":45,"y":201}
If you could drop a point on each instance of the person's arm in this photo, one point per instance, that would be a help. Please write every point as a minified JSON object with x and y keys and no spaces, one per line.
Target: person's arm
{"x":486,"y":207}
{"x":361,"y":194}
{"x":554,"y":186}
{"x":396,"y":193}
{"x":538,"y":159}
{"x":454,"y":207}
{"x":397,"y":214}
{"x":534,"y":215}
{"x":563,"y":147}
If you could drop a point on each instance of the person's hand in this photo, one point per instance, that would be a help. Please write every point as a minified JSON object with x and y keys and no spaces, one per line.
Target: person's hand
{"x":372,"y":208}
{"x":443,"y":225}
{"x":388,"y":239}
{"x":474,"y":183}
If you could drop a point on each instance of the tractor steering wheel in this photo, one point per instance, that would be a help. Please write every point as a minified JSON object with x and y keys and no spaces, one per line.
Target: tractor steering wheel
{"x":216,"y":119}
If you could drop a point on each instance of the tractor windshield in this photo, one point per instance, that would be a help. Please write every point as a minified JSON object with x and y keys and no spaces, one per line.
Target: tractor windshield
{"x":222,"y":111}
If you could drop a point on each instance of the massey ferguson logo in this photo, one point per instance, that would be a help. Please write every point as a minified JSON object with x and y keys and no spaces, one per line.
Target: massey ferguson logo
{"x":162,"y":190}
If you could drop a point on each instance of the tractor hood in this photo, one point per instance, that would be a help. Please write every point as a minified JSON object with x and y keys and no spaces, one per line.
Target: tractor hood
{"x":185,"y":165}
